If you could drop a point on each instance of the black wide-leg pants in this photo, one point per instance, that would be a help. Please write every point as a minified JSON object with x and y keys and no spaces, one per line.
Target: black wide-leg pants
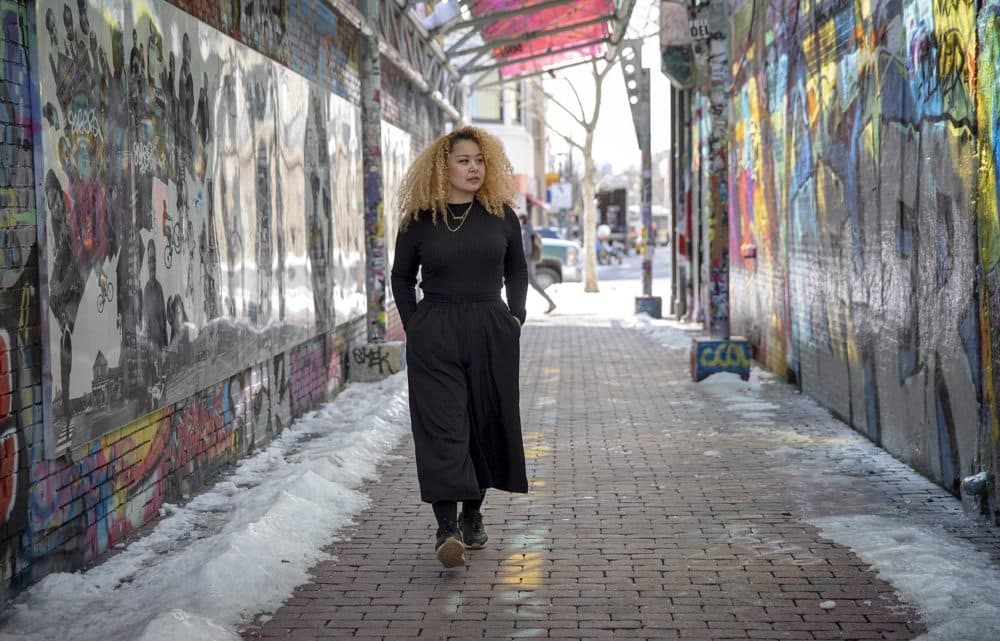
{"x":462,"y":356}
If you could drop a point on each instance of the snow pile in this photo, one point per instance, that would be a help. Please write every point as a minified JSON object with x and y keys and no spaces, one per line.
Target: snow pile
{"x":954,"y":585}
{"x":237,"y":549}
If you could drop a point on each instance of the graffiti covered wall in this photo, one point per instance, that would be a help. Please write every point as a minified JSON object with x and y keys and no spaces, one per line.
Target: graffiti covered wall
{"x":192,"y":197}
{"x":129,"y":124}
{"x":20,"y":353}
{"x":988,"y":220}
{"x":407,"y":127}
{"x":856,"y":180}
{"x":396,"y":152}
{"x":403,"y":107}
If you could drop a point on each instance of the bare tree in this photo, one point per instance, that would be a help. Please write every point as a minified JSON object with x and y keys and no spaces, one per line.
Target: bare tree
{"x":599,"y":69}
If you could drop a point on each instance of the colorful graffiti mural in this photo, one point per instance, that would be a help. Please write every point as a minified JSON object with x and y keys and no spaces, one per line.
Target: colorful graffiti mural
{"x":122,"y":479}
{"x":18,"y":369}
{"x":195,"y":277}
{"x":20,"y":364}
{"x":192,"y":192}
{"x":988,"y":217}
{"x":855,"y":180}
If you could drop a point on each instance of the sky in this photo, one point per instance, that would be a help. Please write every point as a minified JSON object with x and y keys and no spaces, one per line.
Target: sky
{"x":614,"y":139}
{"x":241,"y":546}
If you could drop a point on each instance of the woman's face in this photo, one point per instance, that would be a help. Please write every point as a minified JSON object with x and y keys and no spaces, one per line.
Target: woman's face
{"x":466,"y":168}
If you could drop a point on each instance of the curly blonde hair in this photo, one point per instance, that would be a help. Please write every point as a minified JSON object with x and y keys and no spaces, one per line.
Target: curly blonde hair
{"x":425,"y":186}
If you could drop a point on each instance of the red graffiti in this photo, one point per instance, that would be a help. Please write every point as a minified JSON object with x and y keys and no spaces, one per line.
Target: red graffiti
{"x":8,"y":473}
{"x":88,"y":223}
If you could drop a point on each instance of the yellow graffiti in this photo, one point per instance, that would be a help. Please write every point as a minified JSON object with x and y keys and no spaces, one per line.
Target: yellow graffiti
{"x":724,"y":355}
{"x":987,"y":202}
{"x":988,"y":206}
{"x":820,"y":49}
{"x":989,"y":390}
{"x":142,"y":433}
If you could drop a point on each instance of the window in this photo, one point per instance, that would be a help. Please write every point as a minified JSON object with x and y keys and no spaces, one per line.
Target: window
{"x":486,"y":105}
{"x":515,"y":90}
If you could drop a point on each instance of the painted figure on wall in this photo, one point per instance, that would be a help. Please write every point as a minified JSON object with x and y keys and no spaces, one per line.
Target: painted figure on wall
{"x":153,"y":305}
{"x":190,"y":151}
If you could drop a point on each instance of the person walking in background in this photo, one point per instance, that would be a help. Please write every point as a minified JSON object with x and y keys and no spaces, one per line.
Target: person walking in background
{"x":532,"y":244}
{"x":462,"y":342}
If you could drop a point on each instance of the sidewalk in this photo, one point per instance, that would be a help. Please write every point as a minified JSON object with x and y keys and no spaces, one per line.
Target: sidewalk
{"x":660,"y":509}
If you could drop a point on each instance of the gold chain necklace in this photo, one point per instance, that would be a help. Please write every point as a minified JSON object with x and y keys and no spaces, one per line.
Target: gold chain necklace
{"x":461,"y":219}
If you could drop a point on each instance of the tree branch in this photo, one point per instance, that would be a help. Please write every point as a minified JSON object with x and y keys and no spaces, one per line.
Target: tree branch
{"x":579,"y":102}
{"x":569,"y":140}
{"x":579,"y":120}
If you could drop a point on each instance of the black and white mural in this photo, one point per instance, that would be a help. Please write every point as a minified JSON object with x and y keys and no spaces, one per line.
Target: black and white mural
{"x":202,"y":210}
{"x":396,"y":153}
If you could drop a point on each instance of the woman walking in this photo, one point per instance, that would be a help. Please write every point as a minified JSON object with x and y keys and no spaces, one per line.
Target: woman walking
{"x":463,"y":343}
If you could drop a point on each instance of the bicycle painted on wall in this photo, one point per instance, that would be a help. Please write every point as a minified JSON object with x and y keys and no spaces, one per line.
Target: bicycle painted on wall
{"x":177,"y":235}
{"x":105,"y":292}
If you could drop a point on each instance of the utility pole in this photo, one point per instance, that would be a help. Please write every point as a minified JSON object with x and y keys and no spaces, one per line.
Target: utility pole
{"x":637,"y":85}
{"x":674,"y":162}
{"x":378,"y":358}
{"x":371,"y":136}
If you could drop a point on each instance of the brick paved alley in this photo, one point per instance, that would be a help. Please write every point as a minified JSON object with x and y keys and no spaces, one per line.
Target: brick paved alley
{"x":658,"y":510}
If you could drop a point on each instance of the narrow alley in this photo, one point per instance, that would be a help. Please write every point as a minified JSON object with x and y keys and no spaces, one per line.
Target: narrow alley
{"x":661,"y":508}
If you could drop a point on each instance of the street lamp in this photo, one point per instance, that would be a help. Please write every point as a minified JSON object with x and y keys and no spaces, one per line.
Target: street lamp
{"x":637,"y":85}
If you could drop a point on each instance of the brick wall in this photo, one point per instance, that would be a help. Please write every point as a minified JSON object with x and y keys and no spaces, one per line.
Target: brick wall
{"x":856,"y":175}
{"x":20,"y":346}
{"x":95,"y":493}
{"x":403,"y":106}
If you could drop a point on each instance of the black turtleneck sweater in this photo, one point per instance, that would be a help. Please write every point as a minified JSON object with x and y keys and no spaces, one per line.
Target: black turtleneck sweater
{"x":484,"y":255}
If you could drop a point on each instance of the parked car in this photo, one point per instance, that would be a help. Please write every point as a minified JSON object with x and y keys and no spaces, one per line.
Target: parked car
{"x":549,"y":232}
{"x":561,"y":262}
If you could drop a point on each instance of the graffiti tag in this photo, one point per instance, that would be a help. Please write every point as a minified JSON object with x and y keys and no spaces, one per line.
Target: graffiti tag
{"x":724,"y":355}
{"x":142,"y":155}
{"x":373,"y":357}
{"x":83,"y":122}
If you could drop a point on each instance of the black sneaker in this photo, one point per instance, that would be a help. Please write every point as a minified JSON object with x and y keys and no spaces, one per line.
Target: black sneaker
{"x":473,"y":532}
{"x":450,"y":549}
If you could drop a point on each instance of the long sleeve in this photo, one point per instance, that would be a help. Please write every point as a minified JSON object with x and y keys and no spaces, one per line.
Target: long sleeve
{"x":515,"y":268}
{"x":404,"y":272}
